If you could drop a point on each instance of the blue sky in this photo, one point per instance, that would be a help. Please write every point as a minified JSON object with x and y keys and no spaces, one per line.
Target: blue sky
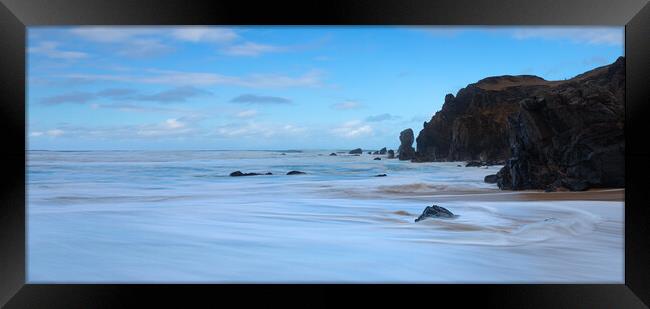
{"x":275,"y":87}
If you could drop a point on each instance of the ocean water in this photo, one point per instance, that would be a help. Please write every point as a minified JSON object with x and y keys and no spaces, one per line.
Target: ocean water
{"x":177,"y":216}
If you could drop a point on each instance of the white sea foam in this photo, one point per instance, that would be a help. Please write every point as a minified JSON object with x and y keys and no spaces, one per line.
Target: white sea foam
{"x":178,"y":217}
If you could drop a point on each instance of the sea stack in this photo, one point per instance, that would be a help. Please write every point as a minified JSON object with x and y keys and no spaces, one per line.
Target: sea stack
{"x":406,"y":150}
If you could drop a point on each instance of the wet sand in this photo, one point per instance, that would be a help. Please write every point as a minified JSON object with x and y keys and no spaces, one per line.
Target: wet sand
{"x":589,"y":195}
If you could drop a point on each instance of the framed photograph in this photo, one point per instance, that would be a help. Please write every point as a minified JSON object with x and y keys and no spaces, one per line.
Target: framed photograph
{"x":424,"y":150}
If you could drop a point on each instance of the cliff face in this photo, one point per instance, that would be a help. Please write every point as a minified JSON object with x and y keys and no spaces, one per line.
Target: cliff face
{"x":553,"y":133}
{"x":570,"y":135}
{"x":473,"y":124}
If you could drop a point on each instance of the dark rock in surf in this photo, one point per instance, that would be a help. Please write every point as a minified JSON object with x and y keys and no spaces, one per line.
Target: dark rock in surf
{"x":380,"y":175}
{"x":490,"y":178}
{"x":296,"y":173}
{"x":377,"y":159}
{"x":356,"y":151}
{"x":473,"y":164}
{"x":382,"y":151}
{"x":435,"y":211}
{"x":376,"y":153}
{"x":332,"y":154}
{"x":391,"y":154}
{"x":239,"y":173}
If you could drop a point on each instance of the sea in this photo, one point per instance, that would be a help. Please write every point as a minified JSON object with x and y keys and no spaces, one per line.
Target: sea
{"x":178,"y":217}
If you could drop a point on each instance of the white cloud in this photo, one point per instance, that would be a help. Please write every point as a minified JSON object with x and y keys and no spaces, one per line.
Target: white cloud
{"x":54,"y":132}
{"x":347,"y":105}
{"x":251,"y":49}
{"x":174,"y":124}
{"x":50,"y":50}
{"x":204,"y":34}
{"x":353,"y":129}
{"x":256,"y":130}
{"x":249,"y":113}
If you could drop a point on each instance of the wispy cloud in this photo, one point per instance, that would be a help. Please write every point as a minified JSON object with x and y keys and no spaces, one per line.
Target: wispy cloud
{"x":251,"y":49}
{"x":51,"y":50}
{"x":177,"y":78}
{"x":204,"y":34}
{"x":249,"y":113}
{"x":590,"y":35}
{"x":259,"y":99}
{"x":179,"y":94}
{"x":52,"y":133}
{"x":353,"y":129}
{"x":71,"y":97}
{"x":382,"y":117}
{"x":347,"y":105}
{"x":256,"y":129}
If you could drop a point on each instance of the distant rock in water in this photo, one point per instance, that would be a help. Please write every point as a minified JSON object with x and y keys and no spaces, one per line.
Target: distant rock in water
{"x":406,"y":150}
{"x":380,"y":175}
{"x":239,"y":173}
{"x":490,"y":178}
{"x":377,"y":158}
{"x":356,"y":151}
{"x":376,"y":153}
{"x":369,"y":152}
{"x":284,"y":154}
{"x":473,"y":164}
{"x":391,"y":154}
{"x":435,"y":211}
{"x":296,"y":173}
{"x":332,"y":154}
{"x":382,"y":151}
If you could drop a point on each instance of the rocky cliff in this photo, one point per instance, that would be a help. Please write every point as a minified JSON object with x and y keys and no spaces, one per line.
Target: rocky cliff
{"x":553,"y":133}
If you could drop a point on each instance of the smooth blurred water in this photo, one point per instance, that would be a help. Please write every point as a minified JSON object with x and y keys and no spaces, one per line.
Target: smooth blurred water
{"x":176,"y":216}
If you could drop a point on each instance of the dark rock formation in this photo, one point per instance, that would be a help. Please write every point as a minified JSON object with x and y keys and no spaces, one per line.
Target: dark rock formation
{"x":376,"y":153}
{"x":332,"y":154}
{"x":406,"y":150}
{"x":377,"y":158}
{"x":356,"y":151}
{"x":296,"y":173}
{"x":369,"y":152}
{"x":490,"y":178}
{"x":473,"y":164}
{"x":382,"y":151}
{"x":380,"y":175}
{"x":435,"y":211}
{"x":570,"y":135}
{"x":566,"y":133}
{"x":239,"y":173}
{"x":391,"y":154}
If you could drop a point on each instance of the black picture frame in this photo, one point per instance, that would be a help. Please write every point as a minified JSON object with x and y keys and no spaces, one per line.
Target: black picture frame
{"x":16,"y":15}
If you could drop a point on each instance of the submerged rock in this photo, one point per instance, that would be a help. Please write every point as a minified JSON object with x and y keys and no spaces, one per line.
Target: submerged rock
{"x":435,"y":211}
{"x":296,"y":173}
{"x":332,"y":154}
{"x":239,"y":173}
{"x":380,"y":175}
{"x":377,"y":158}
{"x":356,"y":151}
